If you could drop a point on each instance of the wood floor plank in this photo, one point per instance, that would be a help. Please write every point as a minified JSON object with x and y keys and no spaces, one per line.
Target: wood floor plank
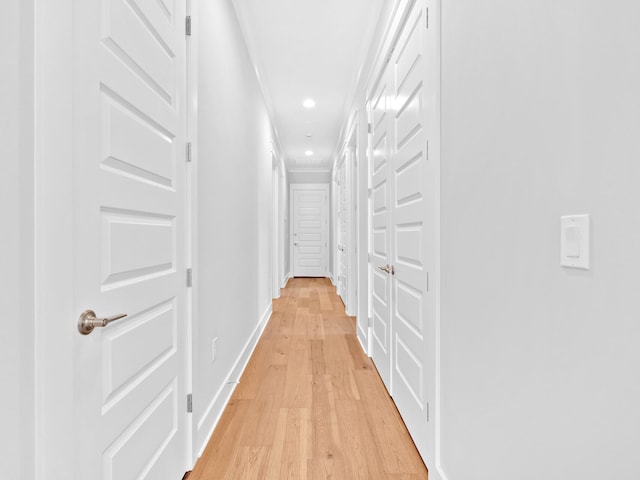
{"x":315,"y":326}
{"x":318,"y":366}
{"x":326,"y":434}
{"x":356,"y":432}
{"x":310,"y":404}
{"x":221,"y":456}
{"x":387,"y":426}
{"x":251,"y":462}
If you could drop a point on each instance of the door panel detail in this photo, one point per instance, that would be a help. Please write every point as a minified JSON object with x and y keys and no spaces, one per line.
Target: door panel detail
{"x":380,"y":332}
{"x":142,"y":40}
{"x":157,"y":329}
{"x":409,"y":307}
{"x":136,"y":247}
{"x":136,"y":146}
{"x":409,"y":369}
{"x":148,"y":435}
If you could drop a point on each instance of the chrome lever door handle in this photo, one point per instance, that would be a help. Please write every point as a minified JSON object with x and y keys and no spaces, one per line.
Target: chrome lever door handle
{"x":88,"y":321}
{"x":385,"y":269}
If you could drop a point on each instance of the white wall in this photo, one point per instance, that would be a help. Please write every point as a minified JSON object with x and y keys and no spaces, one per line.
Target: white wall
{"x":16,"y":240}
{"x":540,"y":118}
{"x":233,"y":279}
{"x":309,"y":177}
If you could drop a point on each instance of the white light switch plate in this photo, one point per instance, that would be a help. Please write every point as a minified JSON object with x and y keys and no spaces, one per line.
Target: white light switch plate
{"x":575,"y":241}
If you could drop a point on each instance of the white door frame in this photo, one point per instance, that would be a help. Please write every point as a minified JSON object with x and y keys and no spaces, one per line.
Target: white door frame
{"x":54,"y":312}
{"x":282,"y":232}
{"x":275,"y":226}
{"x":191,"y":258}
{"x":352,"y":219}
{"x":335,"y":264}
{"x":55,"y":315}
{"x":308,"y":186}
{"x":336,"y":224}
{"x":349,"y":160}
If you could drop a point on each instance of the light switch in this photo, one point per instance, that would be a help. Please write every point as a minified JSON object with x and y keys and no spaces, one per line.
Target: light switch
{"x":575,"y":241}
{"x":572,"y":239}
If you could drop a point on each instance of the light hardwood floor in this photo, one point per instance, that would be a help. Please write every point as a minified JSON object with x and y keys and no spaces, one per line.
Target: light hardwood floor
{"x":310,"y":404}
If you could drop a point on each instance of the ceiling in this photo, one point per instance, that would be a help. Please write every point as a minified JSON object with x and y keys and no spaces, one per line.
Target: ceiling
{"x":308,"y":49}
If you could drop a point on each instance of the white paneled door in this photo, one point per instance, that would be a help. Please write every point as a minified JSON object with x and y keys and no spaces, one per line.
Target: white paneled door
{"x":129,"y":238}
{"x":310,"y":230}
{"x":342,"y":225}
{"x":380,"y":241}
{"x":405,"y":217}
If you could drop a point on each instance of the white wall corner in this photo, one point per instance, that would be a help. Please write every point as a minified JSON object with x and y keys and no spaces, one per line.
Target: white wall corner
{"x":213,"y":412}
{"x":286,"y":279}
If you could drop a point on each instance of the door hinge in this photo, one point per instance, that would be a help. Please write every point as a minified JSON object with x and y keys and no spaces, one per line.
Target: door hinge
{"x":188,"y":151}
{"x":427,"y":411}
{"x":189,"y":403}
{"x":427,"y":17}
{"x":187,"y":25}
{"x":189,"y":277}
{"x":370,"y":322}
{"x":369,"y":128}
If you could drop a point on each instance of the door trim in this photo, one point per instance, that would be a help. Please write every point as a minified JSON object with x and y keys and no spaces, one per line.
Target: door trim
{"x":191,"y":217}
{"x":333,"y":274}
{"x":53,"y":277}
{"x":352,"y":218}
{"x":275,"y":225}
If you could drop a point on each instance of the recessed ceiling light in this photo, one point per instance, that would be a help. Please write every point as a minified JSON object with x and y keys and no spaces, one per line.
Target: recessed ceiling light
{"x":308,"y":135}
{"x":308,"y":153}
{"x":309,"y":103}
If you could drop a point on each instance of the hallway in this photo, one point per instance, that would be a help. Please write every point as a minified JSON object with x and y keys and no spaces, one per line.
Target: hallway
{"x":459,"y":178}
{"x":310,"y":403}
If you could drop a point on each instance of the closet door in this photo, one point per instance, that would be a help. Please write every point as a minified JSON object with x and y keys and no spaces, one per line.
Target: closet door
{"x":414,"y":226}
{"x":129,"y":231}
{"x":380,"y":242}
{"x":404,"y":113}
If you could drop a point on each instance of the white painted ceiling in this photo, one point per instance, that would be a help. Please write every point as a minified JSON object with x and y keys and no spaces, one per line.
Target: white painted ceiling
{"x":308,"y":49}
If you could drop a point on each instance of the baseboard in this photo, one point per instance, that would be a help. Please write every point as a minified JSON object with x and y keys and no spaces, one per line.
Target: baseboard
{"x":220,"y":400}
{"x":438,"y":473}
{"x":285,"y":280}
{"x":333,"y":282}
{"x":362,"y":339}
